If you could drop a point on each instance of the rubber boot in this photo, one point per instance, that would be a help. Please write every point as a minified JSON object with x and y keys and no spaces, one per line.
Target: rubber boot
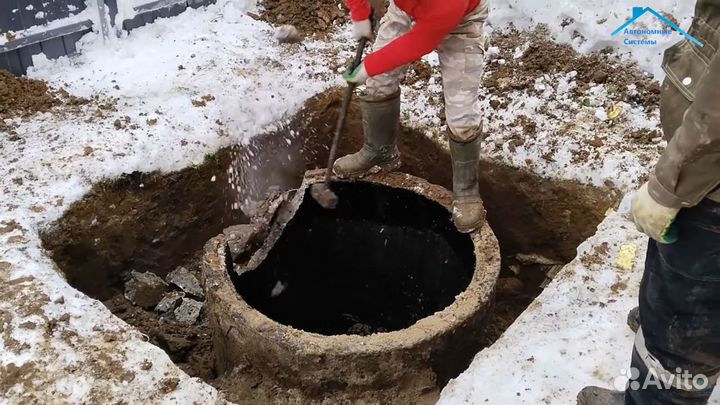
{"x":600,"y":396}
{"x":468,"y":211}
{"x":381,"y":120}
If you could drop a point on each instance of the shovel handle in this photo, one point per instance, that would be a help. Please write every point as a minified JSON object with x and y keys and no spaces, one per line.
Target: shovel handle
{"x":362,"y":43}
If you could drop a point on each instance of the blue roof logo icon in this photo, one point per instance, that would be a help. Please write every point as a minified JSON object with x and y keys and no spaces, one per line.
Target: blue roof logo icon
{"x":638,"y":12}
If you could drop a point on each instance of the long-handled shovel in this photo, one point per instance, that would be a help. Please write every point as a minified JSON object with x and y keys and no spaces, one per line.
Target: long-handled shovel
{"x":321,"y":192}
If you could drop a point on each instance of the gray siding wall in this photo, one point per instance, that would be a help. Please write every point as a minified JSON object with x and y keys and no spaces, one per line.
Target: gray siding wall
{"x":18,"y":15}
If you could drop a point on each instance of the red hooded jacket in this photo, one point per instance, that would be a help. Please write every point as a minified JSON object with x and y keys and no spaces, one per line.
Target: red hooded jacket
{"x":434,"y":20}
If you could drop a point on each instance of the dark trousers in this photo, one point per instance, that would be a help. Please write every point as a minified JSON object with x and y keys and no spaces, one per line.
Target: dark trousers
{"x":680,"y":306}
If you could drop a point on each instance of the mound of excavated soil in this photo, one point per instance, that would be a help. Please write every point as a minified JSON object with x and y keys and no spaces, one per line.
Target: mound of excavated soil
{"x":544,"y":56}
{"x":317,"y":17}
{"x":310,"y":17}
{"x":23,"y":96}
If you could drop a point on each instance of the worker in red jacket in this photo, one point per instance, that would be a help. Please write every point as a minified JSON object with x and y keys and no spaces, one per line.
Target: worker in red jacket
{"x":410,"y":30}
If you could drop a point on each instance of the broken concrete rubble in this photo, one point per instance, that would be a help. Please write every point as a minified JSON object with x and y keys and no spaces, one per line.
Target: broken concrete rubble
{"x":188,"y":311}
{"x":186,"y":281}
{"x":145,"y":289}
{"x":169,"y":301}
{"x":242,"y":239}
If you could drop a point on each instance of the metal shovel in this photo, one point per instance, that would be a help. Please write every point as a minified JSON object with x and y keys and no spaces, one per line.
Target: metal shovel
{"x":321,"y":192}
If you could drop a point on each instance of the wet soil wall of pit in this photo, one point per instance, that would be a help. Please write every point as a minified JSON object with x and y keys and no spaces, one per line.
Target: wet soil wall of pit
{"x":382,"y":260}
{"x":143,"y":221}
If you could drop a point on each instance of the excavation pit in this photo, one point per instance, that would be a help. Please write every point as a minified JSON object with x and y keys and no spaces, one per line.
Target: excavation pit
{"x":156,"y":222}
{"x":380,"y":299}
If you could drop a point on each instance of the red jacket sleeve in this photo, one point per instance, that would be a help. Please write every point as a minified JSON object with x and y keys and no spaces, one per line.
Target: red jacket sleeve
{"x":432,"y":24}
{"x":359,"y":9}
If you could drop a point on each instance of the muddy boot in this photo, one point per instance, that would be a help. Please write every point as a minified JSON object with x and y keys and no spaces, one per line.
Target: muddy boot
{"x":600,"y":396}
{"x":633,"y":319}
{"x":381,"y":120}
{"x":468,"y":211}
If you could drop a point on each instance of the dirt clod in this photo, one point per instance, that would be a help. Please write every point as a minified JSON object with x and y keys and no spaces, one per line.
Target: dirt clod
{"x":509,"y":286}
{"x":168,"y":385}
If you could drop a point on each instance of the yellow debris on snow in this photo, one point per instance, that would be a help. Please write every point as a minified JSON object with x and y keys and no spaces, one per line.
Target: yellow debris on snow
{"x":626,"y":258}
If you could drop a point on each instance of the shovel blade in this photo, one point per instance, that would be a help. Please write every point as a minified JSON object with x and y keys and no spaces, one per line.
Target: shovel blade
{"x":321,"y":193}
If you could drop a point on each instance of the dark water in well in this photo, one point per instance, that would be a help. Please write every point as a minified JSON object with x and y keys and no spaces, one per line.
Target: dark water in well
{"x":382,"y":260}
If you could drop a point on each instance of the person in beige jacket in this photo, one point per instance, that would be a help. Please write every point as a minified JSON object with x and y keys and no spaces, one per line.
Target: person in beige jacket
{"x":676,"y":355}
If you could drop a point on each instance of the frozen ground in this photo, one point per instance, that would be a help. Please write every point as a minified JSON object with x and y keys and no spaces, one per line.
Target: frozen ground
{"x":57,"y":345}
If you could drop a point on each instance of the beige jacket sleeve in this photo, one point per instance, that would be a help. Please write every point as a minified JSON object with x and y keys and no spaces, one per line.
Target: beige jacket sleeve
{"x":690,"y":167}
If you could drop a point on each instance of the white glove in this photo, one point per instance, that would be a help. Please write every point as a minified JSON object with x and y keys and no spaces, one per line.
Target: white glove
{"x":362,"y":29}
{"x":652,"y":218}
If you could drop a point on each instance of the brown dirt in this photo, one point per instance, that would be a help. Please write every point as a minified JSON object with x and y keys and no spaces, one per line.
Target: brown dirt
{"x":20,"y":96}
{"x":140,"y":221}
{"x":418,"y":71}
{"x":318,"y":18}
{"x":544,"y":56}
{"x":155,"y":222}
{"x":23,"y":96}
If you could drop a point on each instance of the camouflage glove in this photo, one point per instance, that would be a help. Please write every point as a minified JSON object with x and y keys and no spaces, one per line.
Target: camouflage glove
{"x":652,"y":218}
{"x":362,"y":29}
{"x":357,"y":76}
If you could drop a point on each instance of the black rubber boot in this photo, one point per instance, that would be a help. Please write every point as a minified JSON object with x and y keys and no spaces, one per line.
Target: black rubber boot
{"x":468,"y":211}
{"x":381,"y":120}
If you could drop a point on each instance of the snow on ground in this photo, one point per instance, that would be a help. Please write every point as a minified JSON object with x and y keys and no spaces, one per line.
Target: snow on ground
{"x":573,"y":335}
{"x":60,"y":345}
{"x":63,"y":346}
{"x":551,"y":127}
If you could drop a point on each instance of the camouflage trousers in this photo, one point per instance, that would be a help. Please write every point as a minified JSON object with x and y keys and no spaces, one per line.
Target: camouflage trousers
{"x":462,"y":55}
